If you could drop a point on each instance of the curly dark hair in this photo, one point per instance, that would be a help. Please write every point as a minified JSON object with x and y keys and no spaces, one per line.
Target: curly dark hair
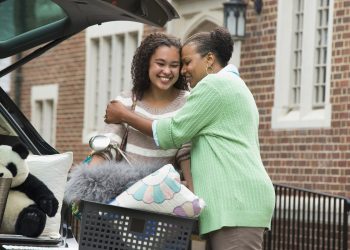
{"x":217,"y":41}
{"x":141,"y":62}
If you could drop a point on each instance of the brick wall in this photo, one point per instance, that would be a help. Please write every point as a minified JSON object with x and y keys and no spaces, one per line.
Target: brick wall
{"x":63,"y":65}
{"x":317,"y":159}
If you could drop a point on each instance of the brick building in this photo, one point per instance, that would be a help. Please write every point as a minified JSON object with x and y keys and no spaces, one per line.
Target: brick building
{"x":294,"y":58}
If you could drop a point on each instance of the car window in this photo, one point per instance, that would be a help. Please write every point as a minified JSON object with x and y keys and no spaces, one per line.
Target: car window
{"x":8,"y":136}
{"x":18,"y":16}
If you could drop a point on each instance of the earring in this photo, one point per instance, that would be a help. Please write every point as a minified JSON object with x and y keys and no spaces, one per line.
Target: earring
{"x":209,"y":70}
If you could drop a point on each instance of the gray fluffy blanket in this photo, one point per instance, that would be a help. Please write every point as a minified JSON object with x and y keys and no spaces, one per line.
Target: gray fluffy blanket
{"x":104,"y":181}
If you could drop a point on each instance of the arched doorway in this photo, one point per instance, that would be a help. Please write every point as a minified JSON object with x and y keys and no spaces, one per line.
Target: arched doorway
{"x":203,"y":26}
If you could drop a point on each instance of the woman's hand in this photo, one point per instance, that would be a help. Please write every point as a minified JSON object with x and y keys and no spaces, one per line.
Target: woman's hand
{"x":118,"y":113}
{"x":115,"y":112}
{"x":186,"y":171}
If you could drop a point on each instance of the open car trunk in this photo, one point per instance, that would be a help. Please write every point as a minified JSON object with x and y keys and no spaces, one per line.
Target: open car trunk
{"x":43,"y":24}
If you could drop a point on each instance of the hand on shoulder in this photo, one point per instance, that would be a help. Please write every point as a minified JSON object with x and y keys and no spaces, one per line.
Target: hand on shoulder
{"x":115,"y":112}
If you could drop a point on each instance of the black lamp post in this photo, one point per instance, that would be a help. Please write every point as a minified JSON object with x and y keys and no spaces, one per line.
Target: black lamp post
{"x":235,"y":16}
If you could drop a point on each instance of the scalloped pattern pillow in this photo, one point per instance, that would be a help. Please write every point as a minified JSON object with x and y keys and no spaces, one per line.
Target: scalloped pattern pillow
{"x":53,"y":171}
{"x":161,"y":192}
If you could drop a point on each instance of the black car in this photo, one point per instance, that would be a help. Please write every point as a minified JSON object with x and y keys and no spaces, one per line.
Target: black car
{"x":23,"y":26}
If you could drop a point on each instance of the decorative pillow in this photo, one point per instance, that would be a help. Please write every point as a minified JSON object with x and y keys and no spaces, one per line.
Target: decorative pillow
{"x":53,"y":171}
{"x":161,"y":192}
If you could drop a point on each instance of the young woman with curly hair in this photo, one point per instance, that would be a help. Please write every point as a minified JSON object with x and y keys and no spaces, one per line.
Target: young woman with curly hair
{"x":159,"y":91}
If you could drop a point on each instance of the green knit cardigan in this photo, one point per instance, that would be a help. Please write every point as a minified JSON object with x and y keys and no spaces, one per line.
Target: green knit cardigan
{"x":221,"y":120}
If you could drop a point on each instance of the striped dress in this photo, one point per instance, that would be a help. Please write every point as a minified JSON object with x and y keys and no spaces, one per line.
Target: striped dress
{"x":141,"y":149}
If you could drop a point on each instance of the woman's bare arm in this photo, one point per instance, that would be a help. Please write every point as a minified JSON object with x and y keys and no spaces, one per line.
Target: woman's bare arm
{"x":118,"y":113}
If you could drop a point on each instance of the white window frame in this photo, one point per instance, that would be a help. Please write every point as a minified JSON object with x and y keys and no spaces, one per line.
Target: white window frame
{"x":45,"y":94}
{"x":121,"y":76}
{"x":283,"y":117}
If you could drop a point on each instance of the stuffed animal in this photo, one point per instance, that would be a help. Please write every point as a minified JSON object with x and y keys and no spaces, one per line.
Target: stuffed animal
{"x":29,"y":200}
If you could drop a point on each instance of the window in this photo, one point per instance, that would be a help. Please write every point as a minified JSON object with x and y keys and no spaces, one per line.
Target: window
{"x":110,"y":49}
{"x":18,"y":17}
{"x":303,"y":64}
{"x":44,"y":105}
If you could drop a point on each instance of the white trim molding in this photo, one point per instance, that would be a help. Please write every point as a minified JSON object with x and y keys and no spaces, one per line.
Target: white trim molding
{"x":197,"y":20}
{"x":44,"y":100}
{"x":286,"y":115}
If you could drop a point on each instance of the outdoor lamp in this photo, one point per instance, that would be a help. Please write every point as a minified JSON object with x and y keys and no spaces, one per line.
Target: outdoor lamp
{"x":235,"y":16}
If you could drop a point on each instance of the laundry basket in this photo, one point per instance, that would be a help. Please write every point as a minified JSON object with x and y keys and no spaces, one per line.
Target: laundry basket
{"x":112,"y":227}
{"x":5,"y":185}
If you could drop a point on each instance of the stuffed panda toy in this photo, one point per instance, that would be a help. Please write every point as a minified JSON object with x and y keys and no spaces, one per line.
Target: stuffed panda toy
{"x":29,"y":200}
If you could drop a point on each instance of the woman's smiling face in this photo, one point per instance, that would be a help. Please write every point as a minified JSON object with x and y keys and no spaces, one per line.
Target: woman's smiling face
{"x":193,"y":64}
{"x":164,"y":67}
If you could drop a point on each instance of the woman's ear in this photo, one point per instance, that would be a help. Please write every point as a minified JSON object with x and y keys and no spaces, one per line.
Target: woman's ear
{"x":210,"y":59}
